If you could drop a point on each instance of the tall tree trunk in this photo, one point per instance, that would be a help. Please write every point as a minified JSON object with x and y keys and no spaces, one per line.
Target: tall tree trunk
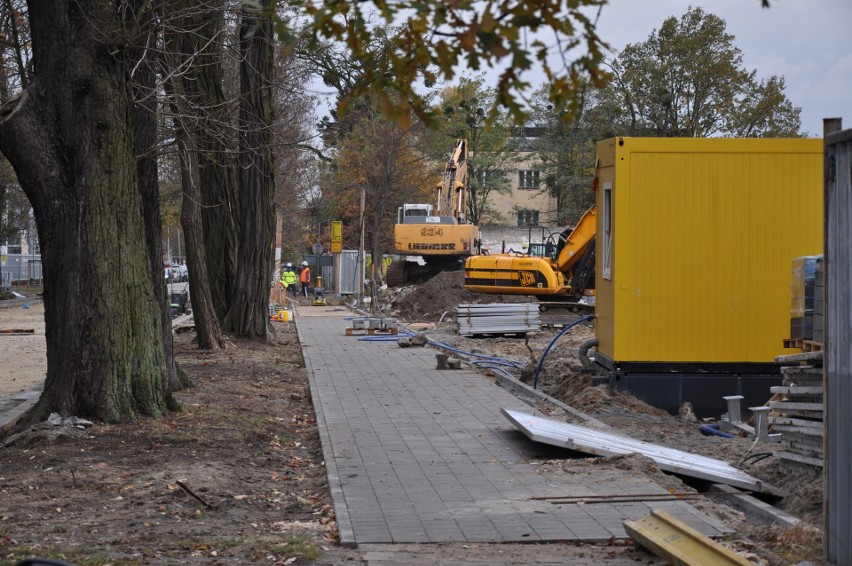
{"x":69,"y":138}
{"x":184,"y":100}
{"x":249,"y":312}
{"x":144,"y":84}
{"x":217,"y":166}
{"x":208,"y":331}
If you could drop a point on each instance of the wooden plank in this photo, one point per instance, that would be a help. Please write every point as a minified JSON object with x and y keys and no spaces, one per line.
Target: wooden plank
{"x":799,"y":423}
{"x":17,"y":331}
{"x":371,"y":331}
{"x":678,"y":543}
{"x":795,"y":390}
{"x":792,"y":406}
{"x":810,"y":372}
{"x":807,"y":448}
{"x":802,"y":357}
{"x":803,"y":414}
{"x":799,"y":458}
{"x":784,"y":430}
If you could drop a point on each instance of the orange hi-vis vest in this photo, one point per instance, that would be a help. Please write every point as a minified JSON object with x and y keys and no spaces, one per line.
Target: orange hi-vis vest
{"x":305,"y":275}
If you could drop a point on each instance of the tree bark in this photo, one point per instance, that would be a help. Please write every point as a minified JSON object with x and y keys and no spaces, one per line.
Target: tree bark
{"x":249,"y":311}
{"x":70,"y":140}
{"x":144,"y":85}
{"x":184,"y":98}
{"x":217,"y":167}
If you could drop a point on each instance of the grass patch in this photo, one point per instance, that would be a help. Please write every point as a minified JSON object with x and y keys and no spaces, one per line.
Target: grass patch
{"x":205,"y":544}
{"x":299,"y":547}
{"x":79,"y":556}
{"x":238,"y":425}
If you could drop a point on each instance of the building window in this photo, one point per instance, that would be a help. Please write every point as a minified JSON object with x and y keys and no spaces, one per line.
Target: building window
{"x":527,"y":218}
{"x":486,"y":178}
{"x":528,"y":179}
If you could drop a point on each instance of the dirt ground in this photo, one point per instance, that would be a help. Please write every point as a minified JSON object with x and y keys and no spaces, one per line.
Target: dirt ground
{"x":23,"y":363}
{"x":237,"y":476}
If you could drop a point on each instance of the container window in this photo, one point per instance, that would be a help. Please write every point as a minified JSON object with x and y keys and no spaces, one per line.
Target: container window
{"x":607,"y":230}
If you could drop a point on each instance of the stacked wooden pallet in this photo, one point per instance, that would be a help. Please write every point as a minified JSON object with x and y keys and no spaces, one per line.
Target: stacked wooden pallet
{"x":370,"y":326}
{"x":800,"y":408}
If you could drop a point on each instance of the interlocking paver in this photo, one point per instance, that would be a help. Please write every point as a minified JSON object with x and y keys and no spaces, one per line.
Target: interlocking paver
{"x":415,"y":454}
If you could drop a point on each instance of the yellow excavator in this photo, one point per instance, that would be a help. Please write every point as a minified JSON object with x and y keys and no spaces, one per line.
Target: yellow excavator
{"x":435,"y":238}
{"x":562,"y":271}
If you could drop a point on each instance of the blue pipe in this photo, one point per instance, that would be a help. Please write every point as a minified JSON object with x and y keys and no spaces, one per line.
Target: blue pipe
{"x":552,"y":342}
{"x":710,"y":430}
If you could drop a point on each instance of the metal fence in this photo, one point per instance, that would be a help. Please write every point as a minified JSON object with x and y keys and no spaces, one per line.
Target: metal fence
{"x":19,"y":269}
{"x":838,"y":343}
{"x":348,"y":282}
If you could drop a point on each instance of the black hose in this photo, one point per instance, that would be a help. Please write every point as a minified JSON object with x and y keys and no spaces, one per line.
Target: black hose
{"x":583,"y":353}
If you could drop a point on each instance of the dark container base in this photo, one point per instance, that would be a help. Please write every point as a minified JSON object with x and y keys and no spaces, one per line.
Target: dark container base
{"x":668,"y":391}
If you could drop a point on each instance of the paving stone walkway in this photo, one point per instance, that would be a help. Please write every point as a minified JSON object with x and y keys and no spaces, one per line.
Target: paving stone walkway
{"x":415,"y":454}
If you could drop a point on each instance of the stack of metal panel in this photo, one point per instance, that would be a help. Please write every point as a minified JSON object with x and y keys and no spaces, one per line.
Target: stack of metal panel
{"x":498,"y":318}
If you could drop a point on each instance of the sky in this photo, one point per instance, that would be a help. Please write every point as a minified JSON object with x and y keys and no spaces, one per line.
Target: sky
{"x":806,"y":41}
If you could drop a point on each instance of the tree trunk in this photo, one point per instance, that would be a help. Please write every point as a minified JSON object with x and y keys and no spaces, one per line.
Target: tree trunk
{"x":70,"y":140}
{"x":249,"y":311}
{"x":217,"y":167}
{"x":183,"y":99}
{"x":207,"y":329}
{"x":144,"y":83}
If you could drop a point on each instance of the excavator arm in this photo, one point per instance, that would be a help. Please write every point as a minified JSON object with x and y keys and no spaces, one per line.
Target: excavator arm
{"x":573,"y":246}
{"x":452,"y":190}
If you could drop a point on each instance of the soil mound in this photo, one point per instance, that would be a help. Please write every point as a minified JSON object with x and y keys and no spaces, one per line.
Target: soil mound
{"x":440,"y":295}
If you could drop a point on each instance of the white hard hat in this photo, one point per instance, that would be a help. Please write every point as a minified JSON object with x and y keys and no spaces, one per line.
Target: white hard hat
{"x":305,"y":263}
{"x":289,"y":264}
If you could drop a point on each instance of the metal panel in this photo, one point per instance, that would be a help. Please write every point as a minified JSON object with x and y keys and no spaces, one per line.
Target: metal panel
{"x":598,"y":443}
{"x":348,"y":282}
{"x":705,"y":232}
{"x":838,"y":347}
{"x":498,"y":318}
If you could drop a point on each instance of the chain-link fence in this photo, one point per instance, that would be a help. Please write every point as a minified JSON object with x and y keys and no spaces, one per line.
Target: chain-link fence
{"x":20,"y":269}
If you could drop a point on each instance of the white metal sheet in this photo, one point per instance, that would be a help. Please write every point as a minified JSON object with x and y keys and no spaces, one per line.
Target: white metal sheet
{"x":598,"y":443}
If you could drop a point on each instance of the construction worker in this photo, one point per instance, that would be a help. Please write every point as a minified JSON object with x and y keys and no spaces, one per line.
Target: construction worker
{"x":288,"y":279}
{"x":305,"y":278}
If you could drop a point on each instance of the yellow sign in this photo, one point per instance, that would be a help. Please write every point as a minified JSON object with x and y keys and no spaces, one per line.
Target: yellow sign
{"x":336,"y":236}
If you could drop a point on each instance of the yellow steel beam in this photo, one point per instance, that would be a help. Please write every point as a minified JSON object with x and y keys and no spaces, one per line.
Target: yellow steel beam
{"x":678,"y":543}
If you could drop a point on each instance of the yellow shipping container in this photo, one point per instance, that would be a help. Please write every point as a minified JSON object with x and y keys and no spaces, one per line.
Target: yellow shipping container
{"x":695,"y":239}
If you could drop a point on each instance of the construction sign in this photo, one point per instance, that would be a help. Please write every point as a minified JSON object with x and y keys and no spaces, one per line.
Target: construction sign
{"x":336,"y":236}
